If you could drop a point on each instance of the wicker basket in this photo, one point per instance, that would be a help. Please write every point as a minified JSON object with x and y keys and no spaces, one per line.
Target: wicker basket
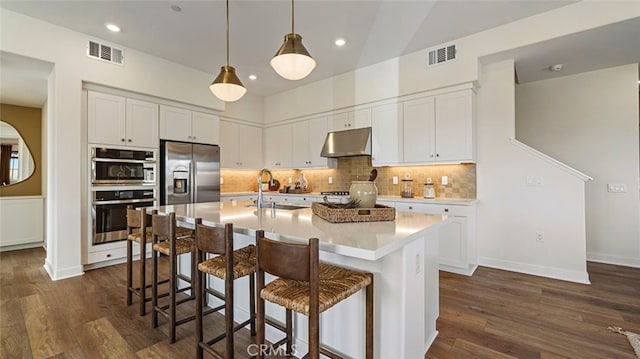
{"x":341,"y":215}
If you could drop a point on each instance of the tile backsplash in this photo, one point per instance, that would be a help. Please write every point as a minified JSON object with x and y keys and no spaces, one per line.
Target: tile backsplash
{"x":462,"y":178}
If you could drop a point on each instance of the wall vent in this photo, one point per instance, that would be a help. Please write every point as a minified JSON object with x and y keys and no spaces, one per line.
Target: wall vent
{"x":107,"y":53}
{"x":441,"y":54}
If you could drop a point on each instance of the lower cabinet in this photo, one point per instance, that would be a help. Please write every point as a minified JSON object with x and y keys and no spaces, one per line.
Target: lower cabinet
{"x":458,"y":243}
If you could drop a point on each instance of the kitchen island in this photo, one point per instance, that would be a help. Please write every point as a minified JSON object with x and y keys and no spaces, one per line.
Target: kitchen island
{"x":402,"y":254}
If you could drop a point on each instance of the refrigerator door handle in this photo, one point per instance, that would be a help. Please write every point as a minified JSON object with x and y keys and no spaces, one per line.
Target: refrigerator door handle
{"x":194,"y":176}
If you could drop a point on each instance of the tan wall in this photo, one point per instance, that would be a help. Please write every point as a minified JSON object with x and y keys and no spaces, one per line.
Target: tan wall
{"x":27,"y":121}
{"x":462,"y":178}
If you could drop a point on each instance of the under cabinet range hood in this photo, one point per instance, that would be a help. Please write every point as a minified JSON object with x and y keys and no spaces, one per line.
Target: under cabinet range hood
{"x":347,"y":143}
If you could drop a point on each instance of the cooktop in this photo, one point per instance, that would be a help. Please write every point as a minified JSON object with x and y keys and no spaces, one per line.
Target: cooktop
{"x":336,"y":193}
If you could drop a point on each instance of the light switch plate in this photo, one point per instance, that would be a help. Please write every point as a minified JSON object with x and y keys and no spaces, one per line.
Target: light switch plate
{"x":445,"y":180}
{"x":395,"y":179}
{"x":221,"y":180}
{"x":616,"y":188}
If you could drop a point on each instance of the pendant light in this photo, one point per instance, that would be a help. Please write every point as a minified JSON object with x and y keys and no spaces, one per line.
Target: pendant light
{"x":227,"y":85}
{"x":292,"y":61}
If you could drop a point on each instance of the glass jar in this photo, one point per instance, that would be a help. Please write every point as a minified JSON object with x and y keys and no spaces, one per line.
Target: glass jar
{"x":407,"y":188}
{"x":364,"y":191}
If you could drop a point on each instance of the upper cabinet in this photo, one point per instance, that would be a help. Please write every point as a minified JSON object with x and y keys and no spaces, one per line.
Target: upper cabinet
{"x":386,"y":128}
{"x":307,"y":140}
{"x":116,"y":120}
{"x":439,"y":128}
{"x":240,"y":146}
{"x":350,"y":120}
{"x":180,"y":124}
{"x":278,"y":146}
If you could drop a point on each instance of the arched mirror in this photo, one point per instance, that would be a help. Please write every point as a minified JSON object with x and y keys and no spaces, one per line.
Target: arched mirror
{"x":16,"y":161}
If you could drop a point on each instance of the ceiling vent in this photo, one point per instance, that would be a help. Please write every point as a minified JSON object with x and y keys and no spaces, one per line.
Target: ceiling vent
{"x":104,"y":52}
{"x":441,"y":54}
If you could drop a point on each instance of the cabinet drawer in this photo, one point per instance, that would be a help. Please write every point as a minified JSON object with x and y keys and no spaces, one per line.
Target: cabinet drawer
{"x":452,"y":210}
{"x":107,"y":255}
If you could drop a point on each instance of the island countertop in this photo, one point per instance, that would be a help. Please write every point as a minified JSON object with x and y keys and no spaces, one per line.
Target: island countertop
{"x":363,"y":240}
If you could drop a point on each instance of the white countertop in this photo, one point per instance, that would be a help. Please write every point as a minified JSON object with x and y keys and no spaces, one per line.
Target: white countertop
{"x":364,"y":240}
{"x":439,"y":200}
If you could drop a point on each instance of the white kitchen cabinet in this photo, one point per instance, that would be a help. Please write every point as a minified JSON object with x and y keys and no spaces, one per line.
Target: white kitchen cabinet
{"x":458,"y":243}
{"x":180,"y":124}
{"x":386,"y":128}
{"x":116,"y":120}
{"x":419,"y":130}
{"x":350,"y":120}
{"x":454,"y":126}
{"x":439,"y":128}
{"x":307,"y":140}
{"x":277,"y":146}
{"x":240,"y":146}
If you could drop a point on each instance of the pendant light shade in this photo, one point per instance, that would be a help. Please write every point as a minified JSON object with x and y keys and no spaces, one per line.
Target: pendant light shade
{"x":292,"y":61}
{"x":227,"y":86}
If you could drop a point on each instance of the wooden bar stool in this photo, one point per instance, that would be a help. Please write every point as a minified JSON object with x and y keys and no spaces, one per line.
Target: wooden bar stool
{"x":308,"y":287}
{"x":229,"y":265}
{"x":164,"y":226}
{"x":137,"y":219}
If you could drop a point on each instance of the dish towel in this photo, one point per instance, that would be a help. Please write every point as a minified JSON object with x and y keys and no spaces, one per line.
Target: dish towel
{"x":634,"y":339}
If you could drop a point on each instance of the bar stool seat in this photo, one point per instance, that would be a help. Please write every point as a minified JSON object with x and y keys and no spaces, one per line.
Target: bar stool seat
{"x":336,"y":285}
{"x":244,"y":264}
{"x":183,"y":245}
{"x":137,"y":234}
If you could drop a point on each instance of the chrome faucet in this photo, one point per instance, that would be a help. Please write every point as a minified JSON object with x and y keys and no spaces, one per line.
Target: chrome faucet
{"x":263,"y":171}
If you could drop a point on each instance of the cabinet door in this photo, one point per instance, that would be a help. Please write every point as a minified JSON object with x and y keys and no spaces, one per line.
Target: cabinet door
{"x":339,"y":122}
{"x":317,"y":134}
{"x":175,"y":123}
{"x":204,"y":128}
{"x":386,"y":135}
{"x":454,"y":126}
{"x":106,"y":119}
{"x":300,"y":144}
{"x":360,"y":118}
{"x":142,"y":124}
{"x":229,"y":145}
{"x":419,"y":130}
{"x":453,"y":243}
{"x":250,"y":150}
{"x":277,"y":146}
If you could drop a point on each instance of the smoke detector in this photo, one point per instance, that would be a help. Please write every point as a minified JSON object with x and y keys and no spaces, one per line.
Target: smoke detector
{"x":556,"y":67}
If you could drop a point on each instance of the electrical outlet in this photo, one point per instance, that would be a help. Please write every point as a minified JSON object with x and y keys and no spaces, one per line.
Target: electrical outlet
{"x":445,"y":180}
{"x":534,"y":181}
{"x":418,"y":263}
{"x":290,"y":180}
{"x":539,"y":237}
{"x":330,"y":180}
{"x":395,"y":179}
{"x":221,"y":180}
{"x":616,"y":188}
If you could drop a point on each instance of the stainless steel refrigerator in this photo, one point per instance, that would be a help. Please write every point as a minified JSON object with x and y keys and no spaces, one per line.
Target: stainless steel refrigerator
{"x":189,"y":173}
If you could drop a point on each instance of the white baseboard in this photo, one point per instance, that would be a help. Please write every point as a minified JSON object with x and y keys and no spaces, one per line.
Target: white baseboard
{"x":17,"y":247}
{"x":542,"y":271}
{"x":468,"y":271}
{"x":62,"y":274}
{"x":613,"y":259}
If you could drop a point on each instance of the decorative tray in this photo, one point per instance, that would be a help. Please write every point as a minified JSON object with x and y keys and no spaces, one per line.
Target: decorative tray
{"x":296,"y":191}
{"x":344,"y":215}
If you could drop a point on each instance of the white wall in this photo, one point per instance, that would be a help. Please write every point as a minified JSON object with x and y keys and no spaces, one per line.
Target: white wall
{"x":590,"y":121}
{"x":409,"y":74}
{"x":66,"y":49}
{"x":510,"y":212}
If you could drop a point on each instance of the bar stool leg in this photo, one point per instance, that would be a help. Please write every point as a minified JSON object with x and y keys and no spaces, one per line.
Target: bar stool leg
{"x":369,"y":319}
{"x":199,"y":284}
{"x":143,"y":278}
{"x":173,"y":285}
{"x":129,"y":273}
{"x":154,"y":291}
{"x":252,"y":304}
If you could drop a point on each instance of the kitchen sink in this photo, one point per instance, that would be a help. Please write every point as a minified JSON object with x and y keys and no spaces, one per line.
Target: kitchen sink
{"x":279,"y":206}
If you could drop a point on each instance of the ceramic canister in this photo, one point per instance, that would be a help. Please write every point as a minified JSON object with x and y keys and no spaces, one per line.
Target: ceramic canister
{"x":364,"y":191}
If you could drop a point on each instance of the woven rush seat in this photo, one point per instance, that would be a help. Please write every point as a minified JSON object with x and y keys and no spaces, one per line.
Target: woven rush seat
{"x":244,"y":264}
{"x":336,"y":284}
{"x":183,"y":245}
{"x":135,"y":236}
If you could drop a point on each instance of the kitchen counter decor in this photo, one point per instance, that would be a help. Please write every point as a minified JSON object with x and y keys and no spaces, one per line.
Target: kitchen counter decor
{"x":334,"y":214}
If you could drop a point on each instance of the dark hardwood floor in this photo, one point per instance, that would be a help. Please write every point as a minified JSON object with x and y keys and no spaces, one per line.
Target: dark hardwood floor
{"x":494,"y":314}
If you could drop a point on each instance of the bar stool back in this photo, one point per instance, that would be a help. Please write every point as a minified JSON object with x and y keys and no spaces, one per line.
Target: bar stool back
{"x":164,"y":226}
{"x":229,"y":265}
{"x":308,"y":287}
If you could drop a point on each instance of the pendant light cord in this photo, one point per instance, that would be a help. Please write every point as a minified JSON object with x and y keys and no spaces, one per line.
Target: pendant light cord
{"x":292,"y":12}
{"x":228,"y":33}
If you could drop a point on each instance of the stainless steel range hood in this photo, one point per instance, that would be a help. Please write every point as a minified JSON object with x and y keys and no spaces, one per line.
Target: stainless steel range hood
{"x":347,"y":143}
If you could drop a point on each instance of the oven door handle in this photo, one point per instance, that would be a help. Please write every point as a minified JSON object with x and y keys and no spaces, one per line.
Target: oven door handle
{"x":123,"y":160}
{"x":125,"y":201}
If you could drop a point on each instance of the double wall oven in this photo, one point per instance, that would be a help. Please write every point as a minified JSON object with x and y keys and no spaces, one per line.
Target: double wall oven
{"x":119,"y":178}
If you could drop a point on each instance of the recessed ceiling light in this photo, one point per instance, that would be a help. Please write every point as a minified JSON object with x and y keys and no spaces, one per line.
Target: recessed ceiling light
{"x":556,"y":67}
{"x":340,"y":42}
{"x":252,"y":77}
{"x":176,"y":8}
{"x":112,"y":27}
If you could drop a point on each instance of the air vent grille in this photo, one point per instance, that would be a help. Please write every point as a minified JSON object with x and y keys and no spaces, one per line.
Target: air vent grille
{"x":106,"y":53}
{"x":440,"y":54}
